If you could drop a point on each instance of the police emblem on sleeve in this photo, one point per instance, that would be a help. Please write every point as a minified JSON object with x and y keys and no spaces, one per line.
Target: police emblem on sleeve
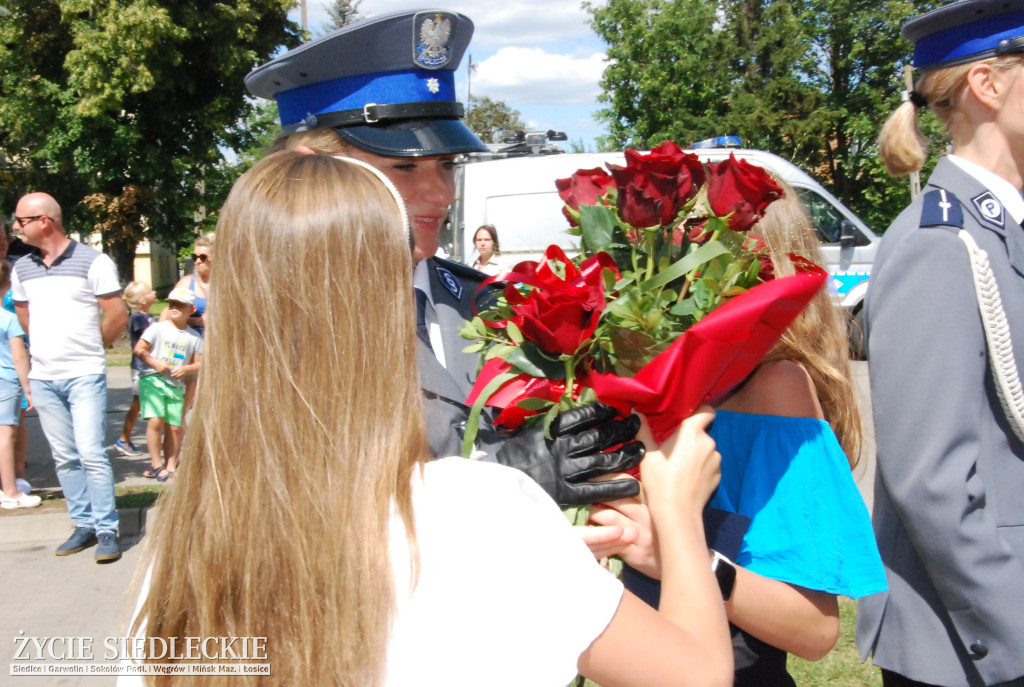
{"x":990,"y":208}
{"x":450,"y":282}
{"x":431,"y":42}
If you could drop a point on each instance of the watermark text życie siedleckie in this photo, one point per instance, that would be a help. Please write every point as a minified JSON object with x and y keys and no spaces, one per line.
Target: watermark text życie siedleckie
{"x":151,"y":655}
{"x":140,"y":648}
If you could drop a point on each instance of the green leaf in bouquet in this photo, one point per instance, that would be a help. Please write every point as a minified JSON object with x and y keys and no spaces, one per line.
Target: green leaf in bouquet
{"x":587,"y":396}
{"x":531,"y":360}
{"x":718,"y":225}
{"x":734,"y":271}
{"x":513,"y":332}
{"x":684,"y":308}
{"x":475,"y":347}
{"x":634,"y":348}
{"x":577,"y":515}
{"x":597,"y":224}
{"x":622,"y":307}
{"x":733,"y":291}
{"x":609,"y":281}
{"x":686,"y":264}
{"x":549,"y":417}
{"x":535,"y":404}
{"x":753,"y":271}
{"x":500,"y":351}
{"x":473,"y":421}
{"x":472,"y":329}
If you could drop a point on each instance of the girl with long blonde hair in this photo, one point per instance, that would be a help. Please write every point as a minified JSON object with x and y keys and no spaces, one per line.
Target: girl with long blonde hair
{"x":308,"y":512}
{"x":789,"y":436}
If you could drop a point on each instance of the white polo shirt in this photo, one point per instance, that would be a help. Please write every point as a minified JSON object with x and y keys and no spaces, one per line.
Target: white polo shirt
{"x":64,"y":315}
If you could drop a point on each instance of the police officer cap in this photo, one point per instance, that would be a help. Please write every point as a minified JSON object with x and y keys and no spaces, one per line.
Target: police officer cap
{"x":387,"y":84}
{"x":966,"y":31}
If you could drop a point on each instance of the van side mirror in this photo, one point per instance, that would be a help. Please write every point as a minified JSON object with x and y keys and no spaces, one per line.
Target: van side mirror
{"x":847,"y":234}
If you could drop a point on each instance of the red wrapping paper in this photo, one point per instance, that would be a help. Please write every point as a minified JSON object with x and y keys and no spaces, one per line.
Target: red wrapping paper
{"x":710,"y":358}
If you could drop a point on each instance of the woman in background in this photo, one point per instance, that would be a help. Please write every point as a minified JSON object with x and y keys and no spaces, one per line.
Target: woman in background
{"x":199,"y":281}
{"x":486,"y":242}
{"x":302,"y":399}
{"x":789,"y":437}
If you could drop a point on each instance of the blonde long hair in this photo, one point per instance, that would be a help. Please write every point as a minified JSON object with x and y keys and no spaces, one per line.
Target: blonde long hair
{"x":901,"y":144}
{"x":817,"y":338}
{"x":307,"y":428}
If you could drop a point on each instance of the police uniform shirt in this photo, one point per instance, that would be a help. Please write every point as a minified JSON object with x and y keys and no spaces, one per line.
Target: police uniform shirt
{"x":1002,"y":189}
{"x":421,"y":281}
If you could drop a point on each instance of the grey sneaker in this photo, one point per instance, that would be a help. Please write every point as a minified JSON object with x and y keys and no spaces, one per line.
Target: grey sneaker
{"x":81,"y":539}
{"x":107,"y":550}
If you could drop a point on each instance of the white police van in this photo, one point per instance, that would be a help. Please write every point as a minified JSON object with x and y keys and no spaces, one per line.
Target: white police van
{"x":518,"y":196}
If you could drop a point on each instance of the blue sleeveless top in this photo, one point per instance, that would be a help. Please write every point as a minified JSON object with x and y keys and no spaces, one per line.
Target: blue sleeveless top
{"x":809,"y":525}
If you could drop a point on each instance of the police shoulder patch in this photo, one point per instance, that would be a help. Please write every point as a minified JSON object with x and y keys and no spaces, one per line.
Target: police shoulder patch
{"x":990,"y":209}
{"x":941,"y":209}
{"x":450,"y":282}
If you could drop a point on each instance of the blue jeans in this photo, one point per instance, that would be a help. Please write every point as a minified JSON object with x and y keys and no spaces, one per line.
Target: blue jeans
{"x":73,"y":415}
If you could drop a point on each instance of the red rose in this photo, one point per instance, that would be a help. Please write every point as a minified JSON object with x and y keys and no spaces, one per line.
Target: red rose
{"x":563,"y":307}
{"x":653,"y":187}
{"x":585,"y":187}
{"x":740,"y":190}
{"x":697,"y":231}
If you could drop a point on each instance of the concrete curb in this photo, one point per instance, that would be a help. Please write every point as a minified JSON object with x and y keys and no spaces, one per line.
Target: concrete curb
{"x":56,"y":527}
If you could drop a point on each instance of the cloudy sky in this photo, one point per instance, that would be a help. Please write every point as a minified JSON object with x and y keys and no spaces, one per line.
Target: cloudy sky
{"x":539,"y":56}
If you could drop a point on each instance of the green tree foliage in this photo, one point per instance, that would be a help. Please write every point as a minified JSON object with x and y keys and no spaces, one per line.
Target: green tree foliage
{"x":488,"y":118}
{"x":659,"y":83}
{"x":810,"y":80}
{"x":121,"y":108}
{"x":342,"y":13}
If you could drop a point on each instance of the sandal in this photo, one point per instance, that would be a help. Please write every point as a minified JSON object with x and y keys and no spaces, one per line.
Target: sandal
{"x":149,"y":472}
{"x":163,"y":474}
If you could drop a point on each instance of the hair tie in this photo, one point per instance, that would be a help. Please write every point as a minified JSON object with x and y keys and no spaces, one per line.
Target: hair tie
{"x":918,"y":100}
{"x":387,"y":184}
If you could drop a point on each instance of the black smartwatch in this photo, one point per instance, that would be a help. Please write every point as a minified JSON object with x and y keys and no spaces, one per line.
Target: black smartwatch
{"x":725,"y":573}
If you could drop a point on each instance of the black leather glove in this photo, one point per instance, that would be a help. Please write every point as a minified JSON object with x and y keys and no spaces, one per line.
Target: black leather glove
{"x":563,"y":464}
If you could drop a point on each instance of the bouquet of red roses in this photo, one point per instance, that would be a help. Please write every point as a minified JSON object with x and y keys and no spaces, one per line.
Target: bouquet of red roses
{"x":670,"y":304}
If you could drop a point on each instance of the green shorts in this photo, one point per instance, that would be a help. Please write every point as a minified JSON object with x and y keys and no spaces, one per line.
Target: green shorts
{"x":158,"y":398}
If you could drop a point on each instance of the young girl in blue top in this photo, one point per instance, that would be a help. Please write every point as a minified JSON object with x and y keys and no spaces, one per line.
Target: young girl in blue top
{"x":785,"y":436}
{"x":13,"y":370}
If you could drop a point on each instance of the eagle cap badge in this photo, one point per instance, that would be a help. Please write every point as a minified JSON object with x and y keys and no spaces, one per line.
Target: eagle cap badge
{"x":431,"y":41}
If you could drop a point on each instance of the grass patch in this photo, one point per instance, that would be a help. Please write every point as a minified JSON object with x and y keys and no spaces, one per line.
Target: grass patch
{"x":125,"y":497}
{"x":842,"y":665}
{"x":137,"y":497}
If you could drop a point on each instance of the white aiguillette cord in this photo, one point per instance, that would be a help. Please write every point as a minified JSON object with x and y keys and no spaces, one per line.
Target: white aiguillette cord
{"x":997,"y":335}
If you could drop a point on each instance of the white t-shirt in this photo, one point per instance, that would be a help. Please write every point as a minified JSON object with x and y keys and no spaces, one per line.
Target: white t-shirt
{"x":64,"y":315}
{"x":508,"y":594}
{"x":176,"y":347}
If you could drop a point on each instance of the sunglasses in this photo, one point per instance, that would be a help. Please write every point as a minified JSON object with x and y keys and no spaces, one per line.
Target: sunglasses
{"x":200,"y":257}
{"x":22,"y":221}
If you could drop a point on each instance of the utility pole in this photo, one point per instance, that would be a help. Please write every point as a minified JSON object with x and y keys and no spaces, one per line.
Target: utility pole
{"x":303,"y":4}
{"x":470,"y":68}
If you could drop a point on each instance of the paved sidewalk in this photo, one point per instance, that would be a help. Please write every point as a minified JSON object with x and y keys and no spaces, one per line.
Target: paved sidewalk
{"x":71,"y":596}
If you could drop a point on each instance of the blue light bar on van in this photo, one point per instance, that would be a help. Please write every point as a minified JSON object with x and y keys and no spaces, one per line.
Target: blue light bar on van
{"x":719,"y":142}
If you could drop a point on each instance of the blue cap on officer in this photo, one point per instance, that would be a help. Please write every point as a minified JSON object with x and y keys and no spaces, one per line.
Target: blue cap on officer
{"x":966,"y":31}
{"x":386,"y":85}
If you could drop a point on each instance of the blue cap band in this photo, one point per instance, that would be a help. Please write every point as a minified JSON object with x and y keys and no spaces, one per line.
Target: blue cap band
{"x":413,"y":85}
{"x":967,"y":42}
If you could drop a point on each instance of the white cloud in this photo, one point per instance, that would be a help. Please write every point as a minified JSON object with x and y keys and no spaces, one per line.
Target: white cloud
{"x":532,"y":75}
{"x":512,"y":22}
